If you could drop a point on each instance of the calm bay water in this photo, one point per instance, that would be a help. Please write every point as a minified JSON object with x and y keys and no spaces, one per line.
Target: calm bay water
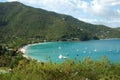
{"x":59,"y":51}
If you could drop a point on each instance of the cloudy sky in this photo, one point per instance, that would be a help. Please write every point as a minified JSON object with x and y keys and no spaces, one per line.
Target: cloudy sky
{"x":106,"y":12}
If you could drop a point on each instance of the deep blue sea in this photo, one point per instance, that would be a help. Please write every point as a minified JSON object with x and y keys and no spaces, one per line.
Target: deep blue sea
{"x":59,"y":51}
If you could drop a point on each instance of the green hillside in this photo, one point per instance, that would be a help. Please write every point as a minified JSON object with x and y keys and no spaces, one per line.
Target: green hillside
{"x":20,"y":25}
{"x":23,"y":23}
{"x":118,"y":28}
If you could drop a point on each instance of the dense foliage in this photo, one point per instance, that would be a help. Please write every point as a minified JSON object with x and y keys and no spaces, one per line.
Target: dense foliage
{"x":9,"y":57}
{"x":20,"y":23}
{"x":68,"y":70}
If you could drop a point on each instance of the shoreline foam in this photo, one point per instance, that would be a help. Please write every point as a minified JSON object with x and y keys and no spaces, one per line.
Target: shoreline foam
{"x":23,"y":49}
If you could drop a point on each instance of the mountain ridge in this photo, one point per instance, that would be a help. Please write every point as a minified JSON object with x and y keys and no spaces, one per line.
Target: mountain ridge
{"x":25,"y":22}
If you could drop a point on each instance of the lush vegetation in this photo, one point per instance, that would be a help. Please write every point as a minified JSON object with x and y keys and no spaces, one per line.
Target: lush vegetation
{"x":9,"y":57}
{"x":20,"y":25}
{"x":19,"y":68}
{"x":68,"y":70}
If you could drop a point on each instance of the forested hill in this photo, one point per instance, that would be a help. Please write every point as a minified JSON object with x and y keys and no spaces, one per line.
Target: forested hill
{"x":118,"y":28}
{"x":19,"y":22}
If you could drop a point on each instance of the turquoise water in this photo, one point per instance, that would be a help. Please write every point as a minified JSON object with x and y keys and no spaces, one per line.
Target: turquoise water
{"x":59,"y":51}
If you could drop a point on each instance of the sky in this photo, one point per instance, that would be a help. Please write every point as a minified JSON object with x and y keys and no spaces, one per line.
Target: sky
{"x":103,"y":12}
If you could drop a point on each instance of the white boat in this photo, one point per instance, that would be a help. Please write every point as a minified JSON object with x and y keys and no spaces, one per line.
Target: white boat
{"x":110,"y":50}
{"x":62,"y":57}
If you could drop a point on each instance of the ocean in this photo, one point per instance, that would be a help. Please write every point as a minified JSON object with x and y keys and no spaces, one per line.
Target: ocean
{"x":60,"y":51}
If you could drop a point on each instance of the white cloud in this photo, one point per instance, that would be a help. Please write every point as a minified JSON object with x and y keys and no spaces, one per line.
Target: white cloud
{"x":12,"y":0}
{"x":80,"y":4}
{"x":94,"y":11}
{"x":104,"y":8}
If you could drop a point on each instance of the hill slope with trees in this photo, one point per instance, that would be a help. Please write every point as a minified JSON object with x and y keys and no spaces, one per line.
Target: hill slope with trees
{"x":20,"y":23}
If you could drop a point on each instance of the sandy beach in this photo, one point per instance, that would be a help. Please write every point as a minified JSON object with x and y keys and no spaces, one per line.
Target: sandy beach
{"x":23,"y":49}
